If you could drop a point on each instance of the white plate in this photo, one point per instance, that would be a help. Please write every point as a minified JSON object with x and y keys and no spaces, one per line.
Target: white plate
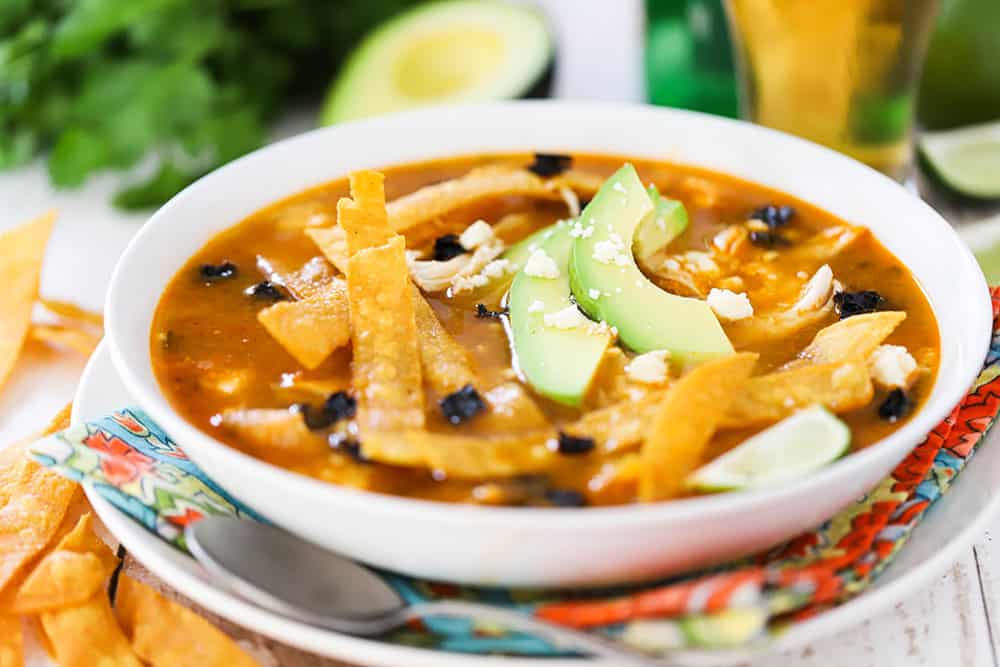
{"x":950,"y":526}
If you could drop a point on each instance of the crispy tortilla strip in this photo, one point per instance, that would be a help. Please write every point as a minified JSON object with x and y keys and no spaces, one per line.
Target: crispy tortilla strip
{"x":33,"y":502}
{"x":463,"y":457}
{"x":165,"y":634}
{"x":309,"y":279}
{"x":386,"y":364}
{"x":312,"y":328}
{"x":11,"y":642}
{"x":617,"y":480}
{"x":332,"y":242}
{"x":620,"y":426}
{"x":276,"y":436}
{"x":78,"y":340}
{"x":69,"y":575}
{"x":445,"y":363}
{"x":511,"y":410}
{"x":851,"y":338}
{"x":88,"y":635}
{"x":686,"y":420}
{"x":433,"y":201}
{"x":769,"y":398}
{"x":363,"y":217}
{"x":72,"y":311}
{"x":611,"y":384}
{"x":22,"y":251}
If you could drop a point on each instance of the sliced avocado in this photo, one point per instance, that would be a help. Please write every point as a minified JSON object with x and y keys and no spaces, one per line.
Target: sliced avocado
{"x":557,"y":362}
{"x":519,"y":253}
{"x":663,"y":224}
{"x":609,"y":286}
{"x":448,"y":51}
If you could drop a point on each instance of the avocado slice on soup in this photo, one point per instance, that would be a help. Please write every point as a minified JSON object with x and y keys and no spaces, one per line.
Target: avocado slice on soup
{"x":608,"y":285}
{"x":556,"y":348}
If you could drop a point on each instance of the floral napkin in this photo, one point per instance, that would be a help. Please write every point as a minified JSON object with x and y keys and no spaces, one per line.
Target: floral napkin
{"x":130,"y":461}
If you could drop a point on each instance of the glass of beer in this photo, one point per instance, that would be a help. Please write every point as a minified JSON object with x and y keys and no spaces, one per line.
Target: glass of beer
{"x":842,"y":73}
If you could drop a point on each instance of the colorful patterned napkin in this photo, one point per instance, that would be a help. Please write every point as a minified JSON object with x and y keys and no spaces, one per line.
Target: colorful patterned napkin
{"x":130,"y":461}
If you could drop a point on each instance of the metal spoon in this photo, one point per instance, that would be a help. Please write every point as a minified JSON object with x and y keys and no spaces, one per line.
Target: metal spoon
{"x":287,"y":575}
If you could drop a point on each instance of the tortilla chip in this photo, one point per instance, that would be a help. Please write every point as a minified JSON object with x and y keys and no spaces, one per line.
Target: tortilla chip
{"x":510,"y":410}
{"x":78,"y":340}
{"x":851,"y":338}
{"x":313,"y":328}
{"x":620,"y":426}
{"x":72,"y":311}
{"x":445,"y":363}
{"x":463,"y":457}
{"x":11,"y":642}
{"x":840,"y":387}
{"x":363,"y":218}
{"x":332,"y":242}
{"x":686,"y":420}
{"x":88,"y":635}
{"x":276,"y":436}
{"x":386,"y":366}
{"x":611,"y":384}
{"x":309,"y":279}
{"x":165,"y":634}
{"x":22,"y":251}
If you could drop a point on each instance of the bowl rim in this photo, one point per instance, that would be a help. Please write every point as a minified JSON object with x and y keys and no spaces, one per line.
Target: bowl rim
{"x":935,"y":409}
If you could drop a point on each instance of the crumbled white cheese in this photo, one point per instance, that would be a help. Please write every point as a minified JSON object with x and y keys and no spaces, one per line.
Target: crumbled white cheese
{"x":729,"y":305}
{"x":892,"y":366}
{"x":468,"y":283}
{"x":594,"y":293}
{"x":569,"y":317}
{"x":536,"y":306}
{"x":578,"y":231}
{"x":700,"y":261}
{"x":817,"y":292}
{"x":611,"y":251}
{"x":476,"y":235}
{"x":540,"y":265}
{"x":497,"y":268}
{"x":650,"y":368}
{"x":599,"y":328}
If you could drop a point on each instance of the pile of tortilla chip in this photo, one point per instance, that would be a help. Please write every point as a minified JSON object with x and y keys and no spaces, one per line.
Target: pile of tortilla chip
{"x":58,"y":578}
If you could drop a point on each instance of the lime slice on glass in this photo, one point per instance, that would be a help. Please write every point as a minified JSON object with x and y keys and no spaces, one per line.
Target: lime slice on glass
{"x":966,"y":160}
{"x":792,"y":448}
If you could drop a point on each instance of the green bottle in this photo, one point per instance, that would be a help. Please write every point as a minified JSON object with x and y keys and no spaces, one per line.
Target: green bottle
{"x":961,"y":79}
{"x":689,"y":60}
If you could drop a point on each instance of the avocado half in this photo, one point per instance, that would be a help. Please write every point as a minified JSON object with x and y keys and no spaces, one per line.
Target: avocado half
{"x":448,"y":51}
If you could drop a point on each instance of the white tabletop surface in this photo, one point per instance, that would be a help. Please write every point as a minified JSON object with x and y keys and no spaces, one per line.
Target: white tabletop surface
{"x":953,"y":622}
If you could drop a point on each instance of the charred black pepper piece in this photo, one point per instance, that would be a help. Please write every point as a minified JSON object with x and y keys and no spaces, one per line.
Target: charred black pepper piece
{"x":774,"y":216}
{"x":447,"y":247}
{"x":895,"y":406}
{"x":550,"y":164}
{"x":340,"y":405}
{"x":484,"y":313}
{"x":572,"y":444}
{"x":768,"y":239}
{"x":462,"y":405}
{"x":211,"y":273}
{"x":857,"y":303}
{"x":565,"y":498}
{"x":315,"y":419}
{"x":266,"y":291}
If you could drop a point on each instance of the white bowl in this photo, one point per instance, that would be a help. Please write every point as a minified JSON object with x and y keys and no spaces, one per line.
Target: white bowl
{"x":549,"y":547}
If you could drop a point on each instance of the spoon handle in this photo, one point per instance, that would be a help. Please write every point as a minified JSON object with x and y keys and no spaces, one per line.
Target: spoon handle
{"x":557,"y":635}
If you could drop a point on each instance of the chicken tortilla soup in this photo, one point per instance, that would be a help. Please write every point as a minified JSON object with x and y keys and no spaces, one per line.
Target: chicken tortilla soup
{"x":545,"y":330}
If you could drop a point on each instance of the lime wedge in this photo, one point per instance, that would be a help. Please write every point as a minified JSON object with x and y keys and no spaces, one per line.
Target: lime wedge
{"x":792,"y":448}
{"x":967,"y":160}
{"x":984,"y":239}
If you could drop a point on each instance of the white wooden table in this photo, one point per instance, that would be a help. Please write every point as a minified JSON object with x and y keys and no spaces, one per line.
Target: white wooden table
{"x":952,"y":623}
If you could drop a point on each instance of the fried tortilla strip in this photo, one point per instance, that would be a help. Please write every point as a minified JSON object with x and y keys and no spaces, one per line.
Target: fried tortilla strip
{"x":71,"y":311}
{"x":276,"y":436}
{"x":165,"y":634}
{"x":769,"y":398}
{"x":11,"y":642}
{"x":511,"y":410}
{"x":78,"y":340}
{"x":363,"y":218}
{"x":686,"y":420}
{"x":851,"y":338}
{"x":461,"y":456}
{"x":332,"y":242}
{"x":445,"y":363}
{"x":386,"y":363}
{"x":69,"y":575}
{"x":88,"y":635}
{"x":22,"y":251}
{"x":620,"y":426}
{"x":312,"y":328}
